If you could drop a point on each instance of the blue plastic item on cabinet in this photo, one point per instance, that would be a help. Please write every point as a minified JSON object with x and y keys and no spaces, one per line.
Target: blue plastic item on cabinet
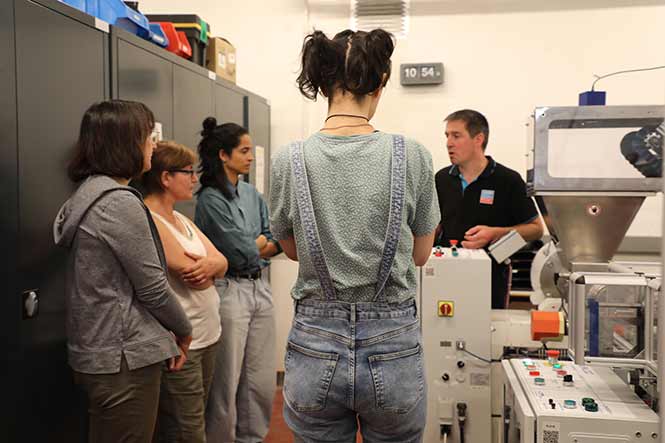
{"x":78,"y":4}
{"x":158,"y":36}
{"x":118,"y":14}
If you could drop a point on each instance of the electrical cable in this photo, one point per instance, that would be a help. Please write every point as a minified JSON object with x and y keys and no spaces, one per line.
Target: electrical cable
{"x":600,"y":77}
{"x":486,"y":360}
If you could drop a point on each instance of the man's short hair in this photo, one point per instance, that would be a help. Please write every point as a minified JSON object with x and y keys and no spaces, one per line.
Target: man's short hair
{"x":474,"y":121}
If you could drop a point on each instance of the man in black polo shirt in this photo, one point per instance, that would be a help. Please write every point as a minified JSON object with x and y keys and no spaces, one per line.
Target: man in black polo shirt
{"x":480,"y":199}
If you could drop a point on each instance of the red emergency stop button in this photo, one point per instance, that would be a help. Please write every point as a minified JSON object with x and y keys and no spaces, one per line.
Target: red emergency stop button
{"x":446,"y":309}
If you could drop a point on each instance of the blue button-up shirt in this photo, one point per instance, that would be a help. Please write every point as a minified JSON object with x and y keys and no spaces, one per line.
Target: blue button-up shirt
{"x":233,"y":225}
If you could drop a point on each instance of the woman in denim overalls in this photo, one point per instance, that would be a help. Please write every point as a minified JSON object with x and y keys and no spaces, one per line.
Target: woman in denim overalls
{"x":357,"y":208}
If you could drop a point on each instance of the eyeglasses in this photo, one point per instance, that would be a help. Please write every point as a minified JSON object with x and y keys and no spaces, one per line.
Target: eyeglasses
{"x":191,"y":172}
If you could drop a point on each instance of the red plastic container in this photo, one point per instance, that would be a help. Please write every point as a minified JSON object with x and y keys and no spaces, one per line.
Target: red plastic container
{"x":178,"y":43}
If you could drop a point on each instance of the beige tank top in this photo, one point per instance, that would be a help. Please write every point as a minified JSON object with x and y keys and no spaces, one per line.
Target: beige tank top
{"x":201,"y":306}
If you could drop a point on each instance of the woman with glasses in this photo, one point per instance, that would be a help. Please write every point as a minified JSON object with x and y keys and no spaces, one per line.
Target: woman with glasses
{"x":193,"y":264}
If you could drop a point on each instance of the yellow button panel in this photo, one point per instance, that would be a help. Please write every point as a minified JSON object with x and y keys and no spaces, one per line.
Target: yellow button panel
{"x":446,"y":309}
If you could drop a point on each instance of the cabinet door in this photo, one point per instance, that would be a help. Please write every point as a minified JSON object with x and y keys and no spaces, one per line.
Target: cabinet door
{"x":145,"y":77}
{"x":193,"y":102}
{"x":258,"y":122}
{"x":60,"y":71}
{"x":229,"y":106}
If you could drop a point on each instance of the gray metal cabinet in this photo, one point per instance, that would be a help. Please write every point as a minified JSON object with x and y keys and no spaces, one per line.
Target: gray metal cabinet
{"x":143,"y":76}
{"x":59,"y":61}
{"x":229,"y":104}
{"x":258,"y":123}
{"x":193,"y":102}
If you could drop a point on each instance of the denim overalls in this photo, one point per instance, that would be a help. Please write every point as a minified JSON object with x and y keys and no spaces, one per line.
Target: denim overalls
{"x":354,"y":363}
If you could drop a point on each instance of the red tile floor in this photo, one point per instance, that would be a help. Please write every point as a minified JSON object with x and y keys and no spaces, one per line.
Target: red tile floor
{"x":279,"y":432}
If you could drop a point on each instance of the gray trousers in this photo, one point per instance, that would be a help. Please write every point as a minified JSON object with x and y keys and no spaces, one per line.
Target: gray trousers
{"x":243,"y":387}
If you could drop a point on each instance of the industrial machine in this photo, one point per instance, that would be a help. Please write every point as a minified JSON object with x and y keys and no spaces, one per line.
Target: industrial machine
{"x":589,"y":170}
{"x":455,"y":314}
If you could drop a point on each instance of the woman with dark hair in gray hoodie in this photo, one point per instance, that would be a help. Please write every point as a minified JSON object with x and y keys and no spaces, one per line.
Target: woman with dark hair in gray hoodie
{"x":123,"y":319}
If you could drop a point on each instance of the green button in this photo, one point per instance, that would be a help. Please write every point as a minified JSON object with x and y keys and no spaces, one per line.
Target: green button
{"x":557,"y":366}
{"x":570,"y":404}
{"x":591,"y":407}
{"x":587,"y":400}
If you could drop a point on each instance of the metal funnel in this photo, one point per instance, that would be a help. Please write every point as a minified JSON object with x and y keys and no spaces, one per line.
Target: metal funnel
{"x":588,"y":228}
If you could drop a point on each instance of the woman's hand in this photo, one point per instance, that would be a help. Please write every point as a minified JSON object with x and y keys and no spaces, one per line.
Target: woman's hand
{"x":176,"y":363}
{"x":261,"y":241}
{"x":204,"y":269}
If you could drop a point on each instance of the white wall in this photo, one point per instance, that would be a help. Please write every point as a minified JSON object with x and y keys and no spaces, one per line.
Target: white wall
{"x":267,"y":36}
{"x":505,"y":64}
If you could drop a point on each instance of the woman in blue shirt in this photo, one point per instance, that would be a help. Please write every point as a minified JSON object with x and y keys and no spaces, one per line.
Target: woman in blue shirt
{"x":233,"y":215}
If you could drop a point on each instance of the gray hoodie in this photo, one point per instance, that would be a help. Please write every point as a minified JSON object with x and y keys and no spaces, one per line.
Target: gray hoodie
{"x":118,"y":298}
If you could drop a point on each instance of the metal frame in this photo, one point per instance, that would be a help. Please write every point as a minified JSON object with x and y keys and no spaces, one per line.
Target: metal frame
{"x":539,"y":178}
{"x":577,"y":300}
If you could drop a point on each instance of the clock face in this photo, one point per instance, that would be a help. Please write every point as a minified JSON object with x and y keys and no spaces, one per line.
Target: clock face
{"x":421,"y":74}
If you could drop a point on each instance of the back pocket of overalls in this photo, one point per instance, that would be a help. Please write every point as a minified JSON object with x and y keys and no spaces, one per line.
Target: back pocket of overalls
{"x":398,"y":379}
{"x":307,"y":377}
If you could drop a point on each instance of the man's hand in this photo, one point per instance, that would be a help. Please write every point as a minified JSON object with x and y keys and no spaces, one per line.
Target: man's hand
{"x":479,"y":237}
{"x":198,"y":273}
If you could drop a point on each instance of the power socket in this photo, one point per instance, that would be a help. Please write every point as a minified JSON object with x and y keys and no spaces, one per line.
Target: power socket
{"x":460,"y":345}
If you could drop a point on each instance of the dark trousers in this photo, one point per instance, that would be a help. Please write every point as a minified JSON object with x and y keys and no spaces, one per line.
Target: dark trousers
{"x":123,"y":406}
{"x":184,"y":396}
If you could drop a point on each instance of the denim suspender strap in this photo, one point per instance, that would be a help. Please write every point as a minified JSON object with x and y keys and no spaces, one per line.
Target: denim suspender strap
{"x":308,"y":220}
{"x":397,"y":190}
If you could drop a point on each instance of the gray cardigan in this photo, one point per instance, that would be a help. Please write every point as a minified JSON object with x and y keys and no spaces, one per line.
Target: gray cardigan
{"x":118,"y":298}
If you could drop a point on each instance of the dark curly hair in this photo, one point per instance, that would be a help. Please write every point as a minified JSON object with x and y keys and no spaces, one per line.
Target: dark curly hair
{"x":357,"y":62}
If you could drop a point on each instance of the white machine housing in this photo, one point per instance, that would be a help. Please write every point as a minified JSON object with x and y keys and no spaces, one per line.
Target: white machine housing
{"x":453,"y":375}
{"x":621,"y":416}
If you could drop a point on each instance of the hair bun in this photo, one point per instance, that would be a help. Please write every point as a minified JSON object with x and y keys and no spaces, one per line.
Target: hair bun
{"x":209,"y":125}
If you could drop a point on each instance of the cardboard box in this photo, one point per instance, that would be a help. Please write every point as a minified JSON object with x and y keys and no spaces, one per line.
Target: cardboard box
{"x":222,"y":58}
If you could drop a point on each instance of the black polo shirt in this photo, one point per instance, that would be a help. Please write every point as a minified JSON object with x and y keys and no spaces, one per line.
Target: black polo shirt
{"x":496,"y":198}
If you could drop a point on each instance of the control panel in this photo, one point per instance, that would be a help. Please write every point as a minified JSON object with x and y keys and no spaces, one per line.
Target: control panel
{"x":580,"y":403}
{"x":455,"y":310}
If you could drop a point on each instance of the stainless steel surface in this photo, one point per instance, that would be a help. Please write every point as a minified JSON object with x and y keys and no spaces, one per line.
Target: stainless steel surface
{"x":538,"y":176}
{"x":544,"y":267}
{"x":578,"y":300}
{"x":648,"y":322}
{"x":588,"y":228}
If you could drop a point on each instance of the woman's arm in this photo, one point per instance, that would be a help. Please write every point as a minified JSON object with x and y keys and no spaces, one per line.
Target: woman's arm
{"x":221,"y":264}
{"x":124,"y":226}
